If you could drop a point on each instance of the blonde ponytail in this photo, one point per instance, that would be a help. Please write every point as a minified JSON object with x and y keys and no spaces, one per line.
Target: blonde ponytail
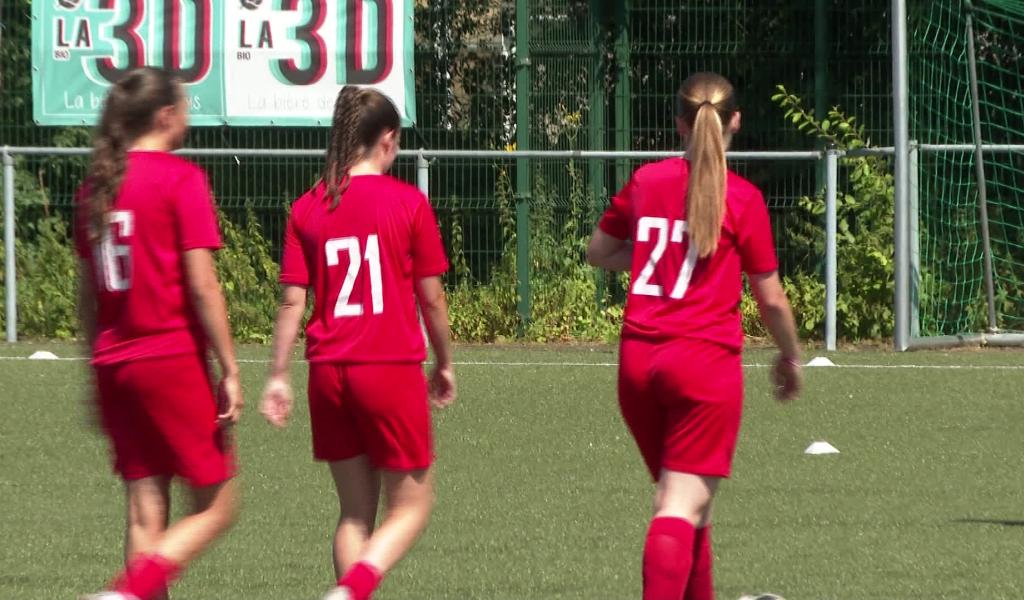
{"x":705,"y":194}
{"x":706,"y":103}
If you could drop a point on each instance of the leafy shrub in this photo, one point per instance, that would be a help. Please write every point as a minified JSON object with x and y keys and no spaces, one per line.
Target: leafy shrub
{"x":248,"y":276}
{"x":864,"y":236}
{"x":45,"y":262}
{"x":47,"y":280}
{"x":48,"y":271}
{"x":565,"y":301}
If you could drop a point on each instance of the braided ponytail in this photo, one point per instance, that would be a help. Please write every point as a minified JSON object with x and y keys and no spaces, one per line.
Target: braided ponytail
{"x":361,"y":116}
{"x":128,"y":113}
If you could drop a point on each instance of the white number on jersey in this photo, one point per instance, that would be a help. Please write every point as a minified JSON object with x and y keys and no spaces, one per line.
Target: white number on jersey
{"x":659,"y":227}
{"x":113,"y":260}
{"x":334,"y":247}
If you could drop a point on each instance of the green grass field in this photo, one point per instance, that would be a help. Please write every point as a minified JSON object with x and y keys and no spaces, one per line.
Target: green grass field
{"x":542,"y":494}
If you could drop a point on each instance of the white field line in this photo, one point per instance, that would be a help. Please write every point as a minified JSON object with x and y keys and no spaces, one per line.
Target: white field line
{"x":260,"y":361}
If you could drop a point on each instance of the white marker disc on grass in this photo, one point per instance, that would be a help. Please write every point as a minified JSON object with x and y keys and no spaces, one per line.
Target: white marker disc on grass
{"x":43,"y":355}
{"x":820,"y":361}
{"x":821,"y":448}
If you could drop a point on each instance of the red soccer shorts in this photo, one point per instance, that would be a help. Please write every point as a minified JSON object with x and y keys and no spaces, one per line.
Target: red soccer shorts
{"x":381,"y":410}
{"x":161,"y":417}
{"x":682,"y":401}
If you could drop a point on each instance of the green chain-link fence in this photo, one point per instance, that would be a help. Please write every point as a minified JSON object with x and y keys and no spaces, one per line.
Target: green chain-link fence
{"x":602,"y":76}
{"x":952,"y":288}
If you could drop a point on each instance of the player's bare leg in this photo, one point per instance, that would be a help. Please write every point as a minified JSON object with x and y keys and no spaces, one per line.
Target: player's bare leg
{"x":149,"y":507}
{"x":150,"y":571}
{"x":677,"y":562}
{"x":409,"y":500}
{"x":215,"y":508}
{"x":685,"y":496}
{"x":358,"y":485}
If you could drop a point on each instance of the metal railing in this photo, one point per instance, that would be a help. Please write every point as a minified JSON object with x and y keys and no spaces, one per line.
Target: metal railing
{"x":423,"y":169}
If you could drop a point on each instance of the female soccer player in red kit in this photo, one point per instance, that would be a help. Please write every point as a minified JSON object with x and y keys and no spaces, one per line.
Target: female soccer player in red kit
{"x":369,"y":249}
{"x":686,"y":229}
{"x":150,"y":305}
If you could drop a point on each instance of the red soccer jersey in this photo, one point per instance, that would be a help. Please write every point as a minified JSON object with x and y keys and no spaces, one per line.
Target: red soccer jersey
{"x":164,"y":207}
{"x":361,"y":261}
{"x":672,"y":294}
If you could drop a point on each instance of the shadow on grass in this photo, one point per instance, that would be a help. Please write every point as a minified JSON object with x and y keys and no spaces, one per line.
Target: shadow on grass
{"x":1003,"y":522}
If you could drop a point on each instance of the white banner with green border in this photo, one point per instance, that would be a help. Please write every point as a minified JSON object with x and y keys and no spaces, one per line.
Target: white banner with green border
{"x":244,"y":62}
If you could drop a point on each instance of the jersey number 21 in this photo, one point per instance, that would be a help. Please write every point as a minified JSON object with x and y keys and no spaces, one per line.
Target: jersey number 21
{"x":371,"y":255}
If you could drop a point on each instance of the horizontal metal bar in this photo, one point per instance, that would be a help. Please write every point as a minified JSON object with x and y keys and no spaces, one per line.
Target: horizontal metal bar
{"x":539,"y":154}
{"x":945,"y":341}
{"x":1004,"y":339}
{"x":609,"y":155}
{"x":967,"y":339}
{"x":880,"y":151}
{"x":987,"y":148}
{"x":501,"y":154}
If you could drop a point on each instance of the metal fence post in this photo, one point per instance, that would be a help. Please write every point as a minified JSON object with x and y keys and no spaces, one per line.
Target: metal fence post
{"x":915,"y":239}
{"x":423,"y":174}
{"x":831,"y":253}
{"x":10,"y":273}
{"x":979,"y":173}
{"x":901,"y":137}
{"x":821,"y":71}
{"x":523,"y":164}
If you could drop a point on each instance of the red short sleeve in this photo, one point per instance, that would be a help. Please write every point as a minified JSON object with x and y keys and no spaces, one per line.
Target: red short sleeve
{"x":616,"y":220}
{"x":756,"y":243}
{"x":294,"y":270}
{"x":194,"y":211}
{"x":428,"y":258}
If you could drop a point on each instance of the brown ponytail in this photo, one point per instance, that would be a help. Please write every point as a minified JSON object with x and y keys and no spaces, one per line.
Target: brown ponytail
{"x":361,"y":116}
{"x":706,"y":102}
{"x":128,"y":113}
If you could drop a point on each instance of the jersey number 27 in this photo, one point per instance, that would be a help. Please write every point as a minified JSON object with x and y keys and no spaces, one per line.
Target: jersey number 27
{"x":371,"y":255}
{"x":659,"y":227}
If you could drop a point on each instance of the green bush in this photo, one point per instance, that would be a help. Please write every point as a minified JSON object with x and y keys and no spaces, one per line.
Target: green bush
{"x":47,"y":280}
{"x":48,"y":271}
{"x":566,"y":304}
{"x":864,"y":236}
{"x":248,"y":276}
{"x":45,"y":262}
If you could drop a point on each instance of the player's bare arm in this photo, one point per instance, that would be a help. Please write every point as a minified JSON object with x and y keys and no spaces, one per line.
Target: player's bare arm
{"x":434,"y":306}
{"x":208,"y":300}
{"x":277,"y":395}
{"x":778,"y":319}
{"x":609,"y":252}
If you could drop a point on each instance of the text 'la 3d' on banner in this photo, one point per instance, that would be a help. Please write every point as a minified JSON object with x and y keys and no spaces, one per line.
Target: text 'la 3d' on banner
{"x":243,"y":62}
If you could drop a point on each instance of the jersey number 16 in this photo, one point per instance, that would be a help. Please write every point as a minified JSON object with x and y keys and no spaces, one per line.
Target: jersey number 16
{"x":113,"y":253}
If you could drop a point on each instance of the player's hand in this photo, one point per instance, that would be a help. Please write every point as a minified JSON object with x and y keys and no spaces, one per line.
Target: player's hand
{"x":789,"y":378}
{"x":277,"y":401}
{"x":442,"y":387}
{"x":229,"y":400}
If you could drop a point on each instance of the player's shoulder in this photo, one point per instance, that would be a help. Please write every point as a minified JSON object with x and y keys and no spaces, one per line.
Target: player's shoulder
{"x":407,"y":199}
{"x":741,"y":189}
{"x":309,"y":201}
{"x":659,"y":171}
{"x":403,"y":190}
{"x":171,"y":165}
